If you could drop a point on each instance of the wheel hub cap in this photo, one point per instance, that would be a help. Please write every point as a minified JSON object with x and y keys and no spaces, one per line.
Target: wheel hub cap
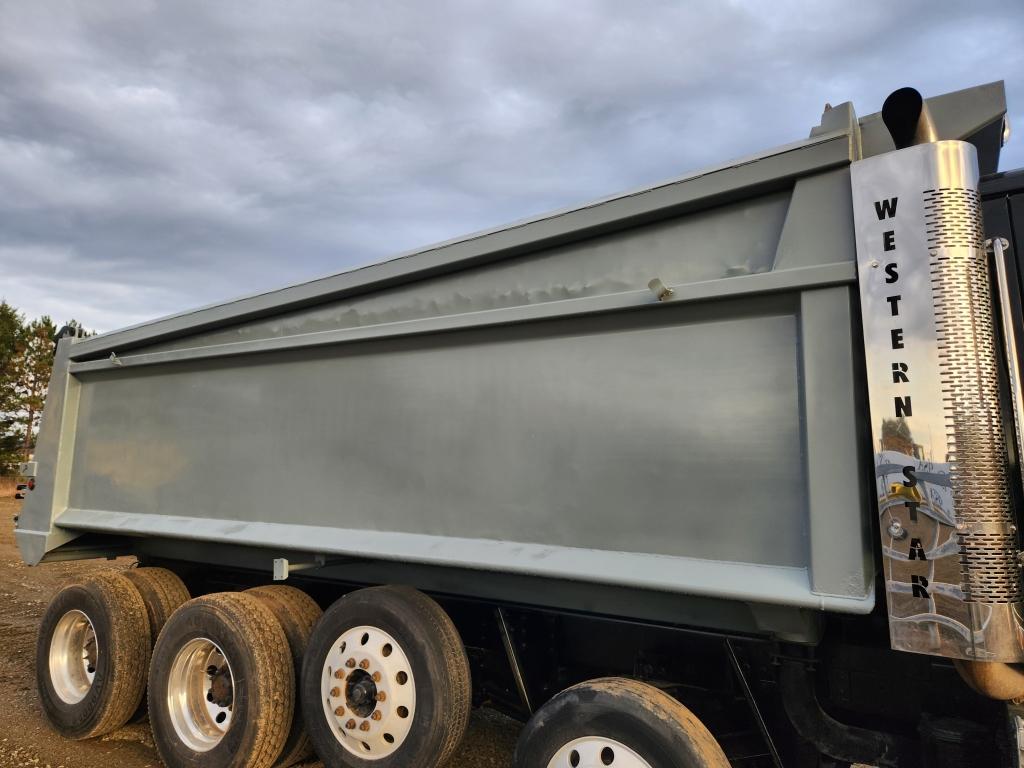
{"x":221,"y":690}
{"x":361,"y":693}
{"x":200,"y":694}
{"x":368,"y":692}
{"x":596,"y":752}
{"x":74,"y":654}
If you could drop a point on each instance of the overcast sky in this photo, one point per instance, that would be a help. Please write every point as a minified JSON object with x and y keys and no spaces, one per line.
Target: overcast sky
{"x":156,"y":156}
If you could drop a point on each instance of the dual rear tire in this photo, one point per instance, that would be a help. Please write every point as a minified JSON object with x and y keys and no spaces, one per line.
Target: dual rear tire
{"x":92,"y":653}
{"x":222,"y":684}
{"x":297,"y":613}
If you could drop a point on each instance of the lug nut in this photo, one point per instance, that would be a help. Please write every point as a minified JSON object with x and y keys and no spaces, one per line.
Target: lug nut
{"x":364,"y":726}
{"x":364,"y":664}
{"x":350,"y":724}
{"x":335,"y":692}
{"x":351,"y":663}
{"x":339,"y":711}
{"x":375,"y":716}
{"x":381,"y":696}
{"x":340,"y":674}
{"x":376,"y":677}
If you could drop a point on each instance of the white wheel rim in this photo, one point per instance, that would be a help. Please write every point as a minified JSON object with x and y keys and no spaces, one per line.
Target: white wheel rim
{"x":74,"y":654}
{"x":368,"y":692}
{"x":200,"y":701}
{"x":596,"y":752}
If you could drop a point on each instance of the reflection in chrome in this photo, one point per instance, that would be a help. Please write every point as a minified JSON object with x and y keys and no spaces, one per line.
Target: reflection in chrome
{"x":200,"y":694}
{"x":73,"y":657}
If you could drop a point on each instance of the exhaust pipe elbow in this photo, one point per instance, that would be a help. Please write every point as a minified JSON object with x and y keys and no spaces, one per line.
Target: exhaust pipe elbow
{"x":1003,"y":682}
{"x":906,"y":115}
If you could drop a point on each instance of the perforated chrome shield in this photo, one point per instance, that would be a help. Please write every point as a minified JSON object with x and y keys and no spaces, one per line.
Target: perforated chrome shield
{"x":948,"y":533}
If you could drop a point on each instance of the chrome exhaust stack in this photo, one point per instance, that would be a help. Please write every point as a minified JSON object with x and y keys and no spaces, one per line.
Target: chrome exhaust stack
{"x":906,"y":115}
{"x":949,"y":536}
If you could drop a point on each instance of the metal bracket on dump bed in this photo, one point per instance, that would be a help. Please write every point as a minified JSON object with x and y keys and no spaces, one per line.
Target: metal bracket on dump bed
{"x":283,"y":567}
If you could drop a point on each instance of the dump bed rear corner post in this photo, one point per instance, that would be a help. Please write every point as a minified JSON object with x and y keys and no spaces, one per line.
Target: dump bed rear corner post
{"x":35,"y":533}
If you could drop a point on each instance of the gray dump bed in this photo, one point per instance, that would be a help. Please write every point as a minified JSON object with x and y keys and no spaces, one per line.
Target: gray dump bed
{"x":519,"y":401}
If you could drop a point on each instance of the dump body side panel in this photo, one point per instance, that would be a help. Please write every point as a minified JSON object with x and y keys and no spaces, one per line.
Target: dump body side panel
{"x":660,"y":446}
{"x":612,"y":433}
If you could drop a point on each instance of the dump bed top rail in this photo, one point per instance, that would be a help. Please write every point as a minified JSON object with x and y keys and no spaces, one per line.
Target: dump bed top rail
{"x":970,"y":114}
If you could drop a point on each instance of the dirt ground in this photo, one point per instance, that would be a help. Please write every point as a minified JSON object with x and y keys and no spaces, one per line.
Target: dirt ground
{"x":25,"y":739}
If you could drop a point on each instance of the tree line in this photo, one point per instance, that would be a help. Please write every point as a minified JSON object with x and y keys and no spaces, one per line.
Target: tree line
{"x":26,"y":360}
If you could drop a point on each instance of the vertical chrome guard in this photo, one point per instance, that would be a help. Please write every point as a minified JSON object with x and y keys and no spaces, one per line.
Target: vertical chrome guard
{"x":948,"y":533}
{"x":998,"y":246}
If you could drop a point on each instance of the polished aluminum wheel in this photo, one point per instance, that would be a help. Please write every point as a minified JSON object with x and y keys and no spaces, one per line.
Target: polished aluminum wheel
{"x":368,"y":692}
{"x":200,"y":694}
{"x":74,"y":654}
{"x":596,"y":752}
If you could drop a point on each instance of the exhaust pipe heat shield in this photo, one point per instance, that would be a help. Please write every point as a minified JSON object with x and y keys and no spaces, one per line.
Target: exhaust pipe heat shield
{"x":948,"y":533}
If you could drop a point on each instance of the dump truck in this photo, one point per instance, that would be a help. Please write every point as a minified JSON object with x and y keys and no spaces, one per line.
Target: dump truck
{"x":720,"y":471}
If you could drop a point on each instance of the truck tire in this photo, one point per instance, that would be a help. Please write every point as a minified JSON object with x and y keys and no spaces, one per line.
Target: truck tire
{"x":92,"y":653}
{"x":385,"y":682}
{"x":221,"y":685}
{"x":298,"y":613}
{"x":163,"y":593}
{"x":617,"y":722}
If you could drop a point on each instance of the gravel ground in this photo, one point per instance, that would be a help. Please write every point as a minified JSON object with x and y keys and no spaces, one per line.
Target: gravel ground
{"x":26,"y":740}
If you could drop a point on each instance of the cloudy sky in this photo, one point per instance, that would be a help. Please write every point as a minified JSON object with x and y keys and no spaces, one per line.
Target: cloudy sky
{"x":156,"y":156}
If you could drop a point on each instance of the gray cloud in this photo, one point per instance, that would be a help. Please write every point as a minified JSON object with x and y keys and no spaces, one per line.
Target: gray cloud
{"x":157,"y":156}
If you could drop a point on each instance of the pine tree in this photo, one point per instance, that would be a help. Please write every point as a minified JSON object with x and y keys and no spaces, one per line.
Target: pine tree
{"x":34,"y":365}
{"x":12,"y":331}
{"x":26,"y":362}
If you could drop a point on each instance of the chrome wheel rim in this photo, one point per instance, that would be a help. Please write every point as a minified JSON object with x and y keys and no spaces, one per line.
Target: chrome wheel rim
{"x":200,"y":694}
{"x":368,"y":692}
{"x":74,"y":654}
{"x":596,"y":752}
